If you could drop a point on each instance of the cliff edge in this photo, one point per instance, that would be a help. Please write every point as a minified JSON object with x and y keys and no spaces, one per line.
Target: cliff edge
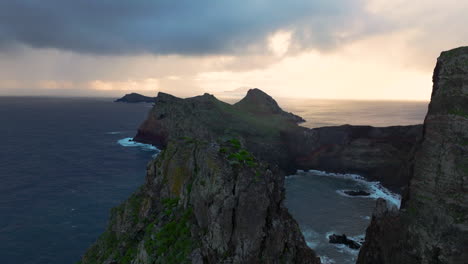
{"x":432,"y":224}
{"x":204,"y":202}
{"x":273,"y":135}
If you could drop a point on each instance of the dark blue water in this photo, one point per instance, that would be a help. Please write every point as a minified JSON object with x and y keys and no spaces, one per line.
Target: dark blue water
{"x":61,"y":172}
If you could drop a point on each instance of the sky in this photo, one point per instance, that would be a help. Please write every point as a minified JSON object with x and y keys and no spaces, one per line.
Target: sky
{"x":334,"y":49}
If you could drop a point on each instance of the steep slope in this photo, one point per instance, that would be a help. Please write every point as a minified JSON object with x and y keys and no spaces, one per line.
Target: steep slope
{"x":204,"y":202}
{"x":274,"y":136}
{"x":432,"y":225}
{"x":208,"y":118}
{"x":259,"y":103}
{"x":378,"y":153}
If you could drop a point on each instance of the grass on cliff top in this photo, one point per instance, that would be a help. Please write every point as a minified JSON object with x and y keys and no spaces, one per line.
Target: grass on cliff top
{"x":238,"y":156}
{"x":249,"y":124}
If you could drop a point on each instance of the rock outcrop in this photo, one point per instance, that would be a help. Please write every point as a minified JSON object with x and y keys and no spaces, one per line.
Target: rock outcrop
{"x":135,"y":98}
{"x":377,"y":153}
{"x":204,"y":202}
{"x":206,"y":117}
{"x":356,"y":193}
{"x":259,"y":103}
{"x":343,"y":239}
{"x":274,"y":136}
{"x":432,"y":224}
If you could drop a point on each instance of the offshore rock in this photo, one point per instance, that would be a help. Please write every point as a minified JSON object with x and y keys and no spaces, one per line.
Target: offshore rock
{"x":356,"y":193}
{"x":135,"y":98}
{"x":204,"y":202}
{"x":432,"y":225}
{"x":343,"y":239}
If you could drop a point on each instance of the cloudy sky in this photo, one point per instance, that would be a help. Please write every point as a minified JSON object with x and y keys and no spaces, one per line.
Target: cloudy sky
{"x":343,"y":49}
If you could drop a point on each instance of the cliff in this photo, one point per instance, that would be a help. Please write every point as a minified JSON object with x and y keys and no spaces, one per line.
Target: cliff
{"x":135,"y":98}
{"x":206,"y":117}
{"x":378,"y":153}
{"x":274,"y":136}
{"x":432,"y":224}
{"x":204,"y":202}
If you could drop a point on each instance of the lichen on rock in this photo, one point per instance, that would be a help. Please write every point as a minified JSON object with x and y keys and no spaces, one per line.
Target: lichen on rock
{"x":197,"y":206}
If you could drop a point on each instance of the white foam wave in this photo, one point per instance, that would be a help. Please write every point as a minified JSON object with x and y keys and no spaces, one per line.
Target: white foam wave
{"x":114,"y":133}
{"x":366,"y":217}
{"x":311,"y":237}
{"x":289,"y":177}
{"x":358,"y":238}
{"x":347,"y":250}
{"x":128,"y":142}
{"x":376,"y":189}
{"x":344,"y":249}
{"x":326,"y":260}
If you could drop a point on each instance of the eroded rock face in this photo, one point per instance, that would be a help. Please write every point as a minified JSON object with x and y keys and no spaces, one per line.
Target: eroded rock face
{"x":274,"y":136}
{"x":432,"y":225}
{"x":377,"y":153}
{"x":204,"y":202}
{"x":205,"y":117}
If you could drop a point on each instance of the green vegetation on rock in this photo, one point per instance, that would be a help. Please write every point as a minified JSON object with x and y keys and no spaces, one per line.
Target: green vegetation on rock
{"x":172,"y":242}
{"x":459,"y":112}
{"x":238,"y":155}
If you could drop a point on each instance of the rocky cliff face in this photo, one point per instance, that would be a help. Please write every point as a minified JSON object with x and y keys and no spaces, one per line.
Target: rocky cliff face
{"x":204,"y":202}
{"x":376,"y":153}
{"x":432,"y":225}
{"x":274,"y":135}
{"x":208,"y":118}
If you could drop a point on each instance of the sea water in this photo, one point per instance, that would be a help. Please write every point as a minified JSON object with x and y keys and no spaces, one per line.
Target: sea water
{"x":65,"y":162}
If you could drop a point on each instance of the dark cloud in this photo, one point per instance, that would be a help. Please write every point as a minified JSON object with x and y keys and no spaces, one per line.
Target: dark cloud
{"x":169,"y":26}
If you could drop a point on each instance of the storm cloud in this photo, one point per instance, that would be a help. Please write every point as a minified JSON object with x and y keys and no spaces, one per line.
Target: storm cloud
{"x":185,"y":27}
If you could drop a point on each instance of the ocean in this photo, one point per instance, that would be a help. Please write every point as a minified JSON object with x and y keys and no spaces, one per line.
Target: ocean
{"x":65,"y":162}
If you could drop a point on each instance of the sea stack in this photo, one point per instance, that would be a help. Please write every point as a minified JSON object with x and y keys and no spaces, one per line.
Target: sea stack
{"x":432,"y":224}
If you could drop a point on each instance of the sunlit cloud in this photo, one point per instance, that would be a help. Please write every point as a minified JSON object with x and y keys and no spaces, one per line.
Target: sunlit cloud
{"x":279,"y":42}
{"x":362,"y":49}
{"x":54,"y":85}
{"x":130,"y":85}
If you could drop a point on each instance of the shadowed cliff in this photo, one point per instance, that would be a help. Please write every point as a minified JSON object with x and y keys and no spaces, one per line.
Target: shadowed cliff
{"x":432,"y":224}
{"x":204,"y":202}
{"x":274,"y":136}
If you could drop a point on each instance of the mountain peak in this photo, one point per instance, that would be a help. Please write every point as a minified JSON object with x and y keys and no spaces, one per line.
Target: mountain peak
{"x":258,"y":102}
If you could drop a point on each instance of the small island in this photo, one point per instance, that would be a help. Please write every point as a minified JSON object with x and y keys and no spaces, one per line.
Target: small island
{"x":135,"y":98}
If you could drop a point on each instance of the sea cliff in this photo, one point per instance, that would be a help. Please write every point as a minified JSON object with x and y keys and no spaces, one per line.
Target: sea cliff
{"x":274,"y":136}
{"x":432,"y":224}
{"x":215,"y":194}
{"x":204,"y":202}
